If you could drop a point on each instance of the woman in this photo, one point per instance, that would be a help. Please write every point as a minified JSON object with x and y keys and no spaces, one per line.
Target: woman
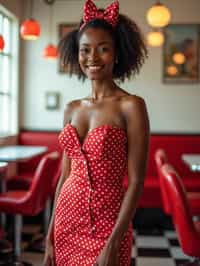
{"x":105,"y":137}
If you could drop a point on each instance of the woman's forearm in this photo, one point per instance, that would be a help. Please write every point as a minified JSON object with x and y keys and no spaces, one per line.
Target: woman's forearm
{"x":66,"y":168}
{"x":127,"y":210}
{"x":58,"y":188}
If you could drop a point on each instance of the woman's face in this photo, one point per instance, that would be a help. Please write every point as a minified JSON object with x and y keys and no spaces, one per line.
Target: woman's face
{"x":96,"y":54}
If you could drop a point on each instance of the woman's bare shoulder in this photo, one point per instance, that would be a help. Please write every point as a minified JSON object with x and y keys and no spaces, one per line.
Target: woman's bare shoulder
{"x":73,"y":104}
{"x":128,"y":99}
{"x":70,"y":107}
{"x":133,"y":105}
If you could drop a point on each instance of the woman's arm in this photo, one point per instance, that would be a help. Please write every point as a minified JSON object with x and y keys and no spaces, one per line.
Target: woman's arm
{"x":66,"y":162}
{"x":64,"y":174}
{"x":137,"y":120}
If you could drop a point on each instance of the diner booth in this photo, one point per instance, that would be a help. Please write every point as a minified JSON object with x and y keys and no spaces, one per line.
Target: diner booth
{"x":34,"y":89}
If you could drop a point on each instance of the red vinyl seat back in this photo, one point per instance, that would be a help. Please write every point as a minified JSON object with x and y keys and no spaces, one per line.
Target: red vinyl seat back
{"x":174,"y":146}
{"x":41,"y":185}
{"x":34,"y":138}
{"x":188,"y":236}
{"x":161,"y":159}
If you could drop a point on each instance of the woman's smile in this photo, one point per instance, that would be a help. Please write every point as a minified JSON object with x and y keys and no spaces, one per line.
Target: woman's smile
{"x":94,"y":68}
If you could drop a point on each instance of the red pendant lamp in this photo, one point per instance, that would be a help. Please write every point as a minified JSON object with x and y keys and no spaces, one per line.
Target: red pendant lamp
{"x":30,"y":28}
{"x":50,"y":51}
{"x":2,"y":43}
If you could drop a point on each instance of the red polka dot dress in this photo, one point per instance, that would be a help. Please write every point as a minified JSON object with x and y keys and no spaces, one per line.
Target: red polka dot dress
{"x":90,"y":199}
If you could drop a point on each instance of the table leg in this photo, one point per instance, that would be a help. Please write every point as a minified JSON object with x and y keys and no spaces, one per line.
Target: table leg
{"x":3,"y":189}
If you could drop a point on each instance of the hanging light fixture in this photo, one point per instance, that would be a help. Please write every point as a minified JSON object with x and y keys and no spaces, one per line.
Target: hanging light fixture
{"x":158,"y":15}
{"x":2,"y":43}
{"x":155,"y":38}
{"x":30,"y":28}
{"x":50,"y":51}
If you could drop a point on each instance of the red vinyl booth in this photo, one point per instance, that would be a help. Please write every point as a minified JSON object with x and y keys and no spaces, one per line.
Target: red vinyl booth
{"x":174,"y":146}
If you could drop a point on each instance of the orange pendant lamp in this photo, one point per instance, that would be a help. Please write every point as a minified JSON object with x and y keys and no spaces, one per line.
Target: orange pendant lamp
{"x":30,"y":28}
{"x":2,"y":43}
{"x":158,"y":15}
{"x":50,"y":51}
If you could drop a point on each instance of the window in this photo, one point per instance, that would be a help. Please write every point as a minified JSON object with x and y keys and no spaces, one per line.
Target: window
{"x":9,"y":28}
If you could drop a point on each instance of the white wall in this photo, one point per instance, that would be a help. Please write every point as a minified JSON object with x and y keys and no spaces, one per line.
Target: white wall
{"x":172,"y":108}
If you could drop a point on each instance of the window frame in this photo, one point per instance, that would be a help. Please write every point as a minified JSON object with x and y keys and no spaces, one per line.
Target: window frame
{"x":13,"y":92}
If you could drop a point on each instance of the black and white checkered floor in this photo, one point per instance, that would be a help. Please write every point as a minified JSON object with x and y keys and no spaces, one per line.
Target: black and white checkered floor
{"x":150,"y":248}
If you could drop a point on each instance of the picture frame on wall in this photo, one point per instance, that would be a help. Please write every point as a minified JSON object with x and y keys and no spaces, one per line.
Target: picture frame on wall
{"x":52,"y":100}
{"x":181,"y":53}
{"x":63,"y":29}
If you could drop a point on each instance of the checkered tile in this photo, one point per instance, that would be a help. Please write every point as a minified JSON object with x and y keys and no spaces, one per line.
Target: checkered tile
{"x":150,"y":248}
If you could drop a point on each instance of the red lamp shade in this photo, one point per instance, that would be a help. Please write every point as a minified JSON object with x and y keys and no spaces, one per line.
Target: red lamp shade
{"x":50,"y":52}
{"x":2,"y":43}
{"x":30,"y":29}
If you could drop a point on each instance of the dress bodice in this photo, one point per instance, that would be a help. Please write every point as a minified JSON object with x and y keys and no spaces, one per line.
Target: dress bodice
{"x":95,"y":183}
{"x":100,"y":142}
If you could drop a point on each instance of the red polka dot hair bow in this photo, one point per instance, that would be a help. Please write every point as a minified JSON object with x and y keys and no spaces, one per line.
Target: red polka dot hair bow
{"x":110,"y":14}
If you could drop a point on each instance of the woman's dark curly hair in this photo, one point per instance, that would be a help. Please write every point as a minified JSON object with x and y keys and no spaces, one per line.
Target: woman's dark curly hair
{"x":130,"y":48}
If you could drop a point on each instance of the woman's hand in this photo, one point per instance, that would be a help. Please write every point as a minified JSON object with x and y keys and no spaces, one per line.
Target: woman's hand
{"x":49,"y":253}
{"x":109,"y":255}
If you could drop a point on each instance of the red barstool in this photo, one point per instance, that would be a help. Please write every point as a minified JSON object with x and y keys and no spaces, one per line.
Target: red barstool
{"x":193,"y":197}
{"x":187,"y":229}
{"x":3,"y":175}
{"x":32,"y":201}
{"x":23,"y":182}
{"x":38,"y":242}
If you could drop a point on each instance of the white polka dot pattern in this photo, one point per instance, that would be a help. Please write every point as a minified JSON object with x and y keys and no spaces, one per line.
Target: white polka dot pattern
{"x":90,"y":199}
{"x":110,"y":14}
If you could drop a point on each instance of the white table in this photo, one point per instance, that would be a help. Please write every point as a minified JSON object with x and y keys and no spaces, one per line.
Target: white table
{"x":16,"y":153}
{"x":20,"y":153}
{"x":193,"y":161}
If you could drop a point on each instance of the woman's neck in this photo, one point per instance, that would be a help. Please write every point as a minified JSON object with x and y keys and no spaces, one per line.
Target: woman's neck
{"x":102,"y":89}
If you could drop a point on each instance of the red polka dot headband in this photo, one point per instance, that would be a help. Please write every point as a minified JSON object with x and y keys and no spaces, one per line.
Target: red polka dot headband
{"x":110,"y":14}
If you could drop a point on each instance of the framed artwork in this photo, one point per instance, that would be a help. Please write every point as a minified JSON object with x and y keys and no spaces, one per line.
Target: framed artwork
{"x":181,"y":53}
{"x":52,"y":100}
{"x":64,"y":29}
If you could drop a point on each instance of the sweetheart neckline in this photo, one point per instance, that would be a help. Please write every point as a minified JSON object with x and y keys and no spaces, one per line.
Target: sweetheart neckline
{"x":93,"y":129}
